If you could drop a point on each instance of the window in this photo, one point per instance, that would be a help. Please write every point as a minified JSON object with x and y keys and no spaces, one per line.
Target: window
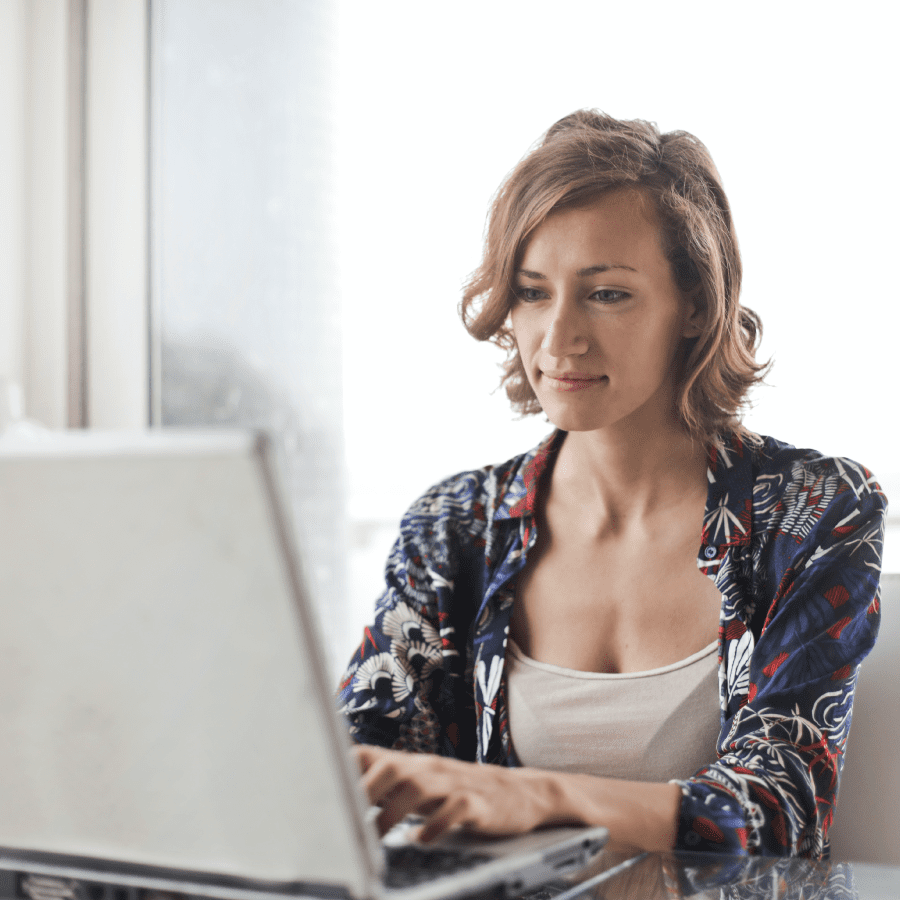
{"x":246,"y":318}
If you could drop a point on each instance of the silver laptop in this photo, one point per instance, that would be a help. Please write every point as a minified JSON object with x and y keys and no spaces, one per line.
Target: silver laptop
{"x":165,"y":719}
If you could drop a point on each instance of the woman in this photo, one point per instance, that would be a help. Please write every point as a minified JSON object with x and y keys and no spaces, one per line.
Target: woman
{"x":651,"y":556}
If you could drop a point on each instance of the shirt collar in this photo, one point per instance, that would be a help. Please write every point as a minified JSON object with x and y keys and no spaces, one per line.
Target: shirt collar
{"x":726,"y":521}
{"x":520,"y":496}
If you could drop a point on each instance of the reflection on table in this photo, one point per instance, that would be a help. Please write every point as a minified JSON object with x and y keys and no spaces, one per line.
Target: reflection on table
{"x":656,"y":876}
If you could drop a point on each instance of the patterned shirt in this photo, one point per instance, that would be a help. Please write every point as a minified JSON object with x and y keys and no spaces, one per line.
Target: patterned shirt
{"x":793,"y":542}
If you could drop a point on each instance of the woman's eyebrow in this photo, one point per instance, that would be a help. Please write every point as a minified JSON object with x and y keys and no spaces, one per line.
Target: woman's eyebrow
{"x":603,"y":267}
{"x":581,"y":273}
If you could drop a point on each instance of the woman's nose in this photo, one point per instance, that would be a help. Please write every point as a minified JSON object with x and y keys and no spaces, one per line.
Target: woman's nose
{"x":565,"y":334}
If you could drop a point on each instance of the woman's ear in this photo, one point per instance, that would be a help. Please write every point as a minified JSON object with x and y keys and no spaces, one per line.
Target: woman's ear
{"x":695,"y":314}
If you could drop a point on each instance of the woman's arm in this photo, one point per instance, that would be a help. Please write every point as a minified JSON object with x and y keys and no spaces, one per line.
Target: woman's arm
{"x":405,"y":686}
{"x":498,"y":800}
{"x":792,"y":664}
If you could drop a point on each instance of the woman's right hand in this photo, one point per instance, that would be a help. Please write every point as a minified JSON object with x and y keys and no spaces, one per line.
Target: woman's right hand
{"x":496,"y":800}
{"x":450,"y":794}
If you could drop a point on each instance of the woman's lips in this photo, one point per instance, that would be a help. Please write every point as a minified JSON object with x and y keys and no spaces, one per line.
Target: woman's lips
{"x":572,"y":381}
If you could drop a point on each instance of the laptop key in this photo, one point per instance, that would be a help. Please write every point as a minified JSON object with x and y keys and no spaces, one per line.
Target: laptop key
{"x":410,"y":864}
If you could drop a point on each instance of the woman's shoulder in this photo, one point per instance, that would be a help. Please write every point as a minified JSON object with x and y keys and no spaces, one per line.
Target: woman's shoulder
{"x":773,"y":458}
{"x":778,"y":479}
{"x":485,"y":492}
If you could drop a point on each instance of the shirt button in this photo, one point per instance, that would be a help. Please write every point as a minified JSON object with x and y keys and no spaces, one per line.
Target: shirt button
{"x":710,"y":552}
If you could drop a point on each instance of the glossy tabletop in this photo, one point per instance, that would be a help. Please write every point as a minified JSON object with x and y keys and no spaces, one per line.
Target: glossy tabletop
{"x":668,"y":876}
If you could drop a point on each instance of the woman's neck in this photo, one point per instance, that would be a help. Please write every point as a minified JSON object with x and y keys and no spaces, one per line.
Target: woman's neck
{"x":619,"y":477}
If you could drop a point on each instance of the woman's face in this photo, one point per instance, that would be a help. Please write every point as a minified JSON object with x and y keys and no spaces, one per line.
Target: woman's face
{"x":598,"y":318}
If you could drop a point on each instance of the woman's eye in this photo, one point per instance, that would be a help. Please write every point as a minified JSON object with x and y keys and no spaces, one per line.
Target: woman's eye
{"x":610,"y":295}
{"x":529,"y":295}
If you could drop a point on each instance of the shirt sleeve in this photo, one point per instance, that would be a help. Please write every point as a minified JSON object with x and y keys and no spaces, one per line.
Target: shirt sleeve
{"x":404,"y":687}
{"x":774,"y":787}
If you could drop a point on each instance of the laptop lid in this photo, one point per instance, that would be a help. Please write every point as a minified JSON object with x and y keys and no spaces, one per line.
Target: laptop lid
{"x":161,"y":700}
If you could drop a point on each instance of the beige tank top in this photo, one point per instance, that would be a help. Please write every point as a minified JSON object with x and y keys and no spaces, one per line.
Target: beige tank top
{"x":644,"y":726}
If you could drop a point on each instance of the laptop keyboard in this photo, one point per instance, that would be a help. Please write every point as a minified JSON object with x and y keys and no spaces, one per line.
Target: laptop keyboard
{"x":410,"y":864}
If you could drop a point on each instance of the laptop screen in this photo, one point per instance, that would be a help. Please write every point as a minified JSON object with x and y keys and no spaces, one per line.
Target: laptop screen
{"x":160,"y":698}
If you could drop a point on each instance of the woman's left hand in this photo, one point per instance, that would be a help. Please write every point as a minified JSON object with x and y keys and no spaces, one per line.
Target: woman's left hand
{"x":453,"y":794}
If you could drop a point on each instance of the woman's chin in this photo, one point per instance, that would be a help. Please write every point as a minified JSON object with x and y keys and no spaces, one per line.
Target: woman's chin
{"x":568,"y":421}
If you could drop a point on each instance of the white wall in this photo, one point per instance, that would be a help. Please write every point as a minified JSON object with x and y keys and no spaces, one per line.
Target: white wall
{"x":796,"y":103}
{"x":13,"y":42}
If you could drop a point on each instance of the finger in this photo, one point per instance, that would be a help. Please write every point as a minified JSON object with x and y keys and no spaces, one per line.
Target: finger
{"x":395,"y":805}
{"x":381,"y":779}
{"x":403,"y":802}
{"x":384,"y":769}
{"x":367,"y":755}
{"x":452,"y":813}
{"x":402,"y":790}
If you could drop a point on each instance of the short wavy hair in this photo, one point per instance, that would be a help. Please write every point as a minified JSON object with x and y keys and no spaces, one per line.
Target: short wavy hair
{"x":581,"y":157}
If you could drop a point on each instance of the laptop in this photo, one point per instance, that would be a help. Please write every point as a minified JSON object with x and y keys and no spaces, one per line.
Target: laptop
{"x":166,"y":720}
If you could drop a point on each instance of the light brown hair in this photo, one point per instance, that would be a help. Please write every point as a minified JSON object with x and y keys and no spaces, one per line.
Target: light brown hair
{"x":582,"y":156}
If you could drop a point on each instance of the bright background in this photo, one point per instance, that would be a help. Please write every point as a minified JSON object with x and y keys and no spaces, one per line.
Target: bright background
{"x":319,"y":175}
{"x":436,"y":103}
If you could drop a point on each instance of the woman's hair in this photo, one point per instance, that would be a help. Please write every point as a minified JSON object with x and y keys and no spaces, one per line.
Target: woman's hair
{"x":581,"y":157}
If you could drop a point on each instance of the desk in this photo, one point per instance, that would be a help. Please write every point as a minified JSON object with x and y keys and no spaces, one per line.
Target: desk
{"x":656,"y":876}
{"x":649,"y":876}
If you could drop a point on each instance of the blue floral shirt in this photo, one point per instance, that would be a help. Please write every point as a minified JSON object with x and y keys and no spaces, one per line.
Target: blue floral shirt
{"x":793,"y":542}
